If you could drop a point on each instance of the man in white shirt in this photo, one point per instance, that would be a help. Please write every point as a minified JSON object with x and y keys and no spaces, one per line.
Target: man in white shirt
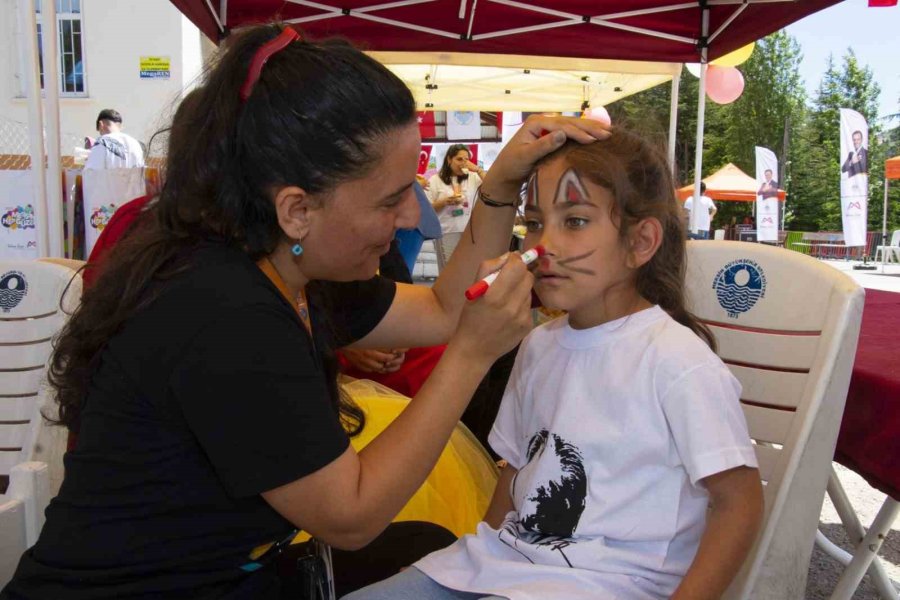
{"x":114,"y":149}
{"x":699,"y":228}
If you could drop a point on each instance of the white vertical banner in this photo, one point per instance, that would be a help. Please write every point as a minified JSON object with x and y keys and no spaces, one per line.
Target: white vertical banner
{"x":512,"y":121}
{"x":854,"y":176}
{"x":463,"y":125}
{"x":18,"y":232}
{"x":767,"y":195}
{"x":104,"y":191}
{"x":487,"y":154}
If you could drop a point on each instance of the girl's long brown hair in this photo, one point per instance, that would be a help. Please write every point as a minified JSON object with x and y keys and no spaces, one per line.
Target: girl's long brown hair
{"x":314,"y":120}
{"x":638,"y":177}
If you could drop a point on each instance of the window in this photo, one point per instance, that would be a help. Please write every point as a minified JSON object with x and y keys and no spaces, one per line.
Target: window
{"x":70,"y":47}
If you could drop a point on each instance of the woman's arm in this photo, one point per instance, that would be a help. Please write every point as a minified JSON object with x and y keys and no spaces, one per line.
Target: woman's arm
{"x":421,"y":316}
{"x":351,"y":500}
{"x":732,"y":523}
{"x":501,"y":502}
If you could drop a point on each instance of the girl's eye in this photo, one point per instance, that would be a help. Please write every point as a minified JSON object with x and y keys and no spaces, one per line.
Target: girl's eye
{"x":533,"y":225}
{"x":576,"y":222}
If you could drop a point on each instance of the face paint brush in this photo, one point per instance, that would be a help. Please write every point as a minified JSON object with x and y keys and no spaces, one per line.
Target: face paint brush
{"x":478,"y":289}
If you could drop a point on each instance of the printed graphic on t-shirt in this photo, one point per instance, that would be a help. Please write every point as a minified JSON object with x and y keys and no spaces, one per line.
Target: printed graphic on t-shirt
{"x":553,"y":499}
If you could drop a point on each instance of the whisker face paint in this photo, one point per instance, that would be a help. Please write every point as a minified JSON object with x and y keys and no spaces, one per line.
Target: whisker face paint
{"x":566,"y":263}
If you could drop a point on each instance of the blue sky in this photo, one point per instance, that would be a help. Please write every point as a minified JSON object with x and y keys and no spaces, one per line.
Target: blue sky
{"x":874,"y":35}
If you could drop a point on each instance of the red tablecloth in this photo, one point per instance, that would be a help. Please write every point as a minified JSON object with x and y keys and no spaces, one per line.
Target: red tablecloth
{"x":869,"y":442}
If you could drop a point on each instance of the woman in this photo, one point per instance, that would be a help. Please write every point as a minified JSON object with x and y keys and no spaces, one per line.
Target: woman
{"x":452,"y":193}
{"x":199,"y":371}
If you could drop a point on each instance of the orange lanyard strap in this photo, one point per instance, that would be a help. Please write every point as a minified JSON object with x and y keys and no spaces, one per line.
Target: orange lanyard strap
{"x":299,"y":303}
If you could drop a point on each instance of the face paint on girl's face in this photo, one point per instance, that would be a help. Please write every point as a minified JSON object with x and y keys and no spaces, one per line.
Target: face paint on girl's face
{"x":531,"y":193}
{"x":570,"y":189}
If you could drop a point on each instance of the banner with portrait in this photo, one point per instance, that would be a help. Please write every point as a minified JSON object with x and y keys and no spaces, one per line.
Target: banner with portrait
{"x":854,"y":163}
{"x":766,"y":195}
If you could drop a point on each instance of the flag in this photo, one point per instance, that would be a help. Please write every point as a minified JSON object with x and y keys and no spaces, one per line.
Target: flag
{"x":426,"y":124}
{"x":882,"y":3}
{"x":463,"y":125}
{"x":424,"y":155}
{"x":766,"y":195}
{"x":473,"y":153}
{"x":854,"y":161}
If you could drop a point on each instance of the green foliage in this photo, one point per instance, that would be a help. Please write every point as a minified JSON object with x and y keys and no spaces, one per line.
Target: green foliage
{"x":775,"y":113}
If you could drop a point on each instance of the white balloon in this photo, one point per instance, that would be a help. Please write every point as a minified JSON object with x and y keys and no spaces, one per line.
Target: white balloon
{"x":693,"y":68}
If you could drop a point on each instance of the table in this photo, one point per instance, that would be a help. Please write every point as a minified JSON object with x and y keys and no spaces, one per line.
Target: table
{"x":869,"y":441}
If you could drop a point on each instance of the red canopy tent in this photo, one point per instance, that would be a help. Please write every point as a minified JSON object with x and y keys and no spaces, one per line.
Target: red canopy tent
{"x":659,"y":30}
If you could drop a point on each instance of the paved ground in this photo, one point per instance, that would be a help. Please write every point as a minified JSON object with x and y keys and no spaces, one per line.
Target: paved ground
{"x":824,"y":571}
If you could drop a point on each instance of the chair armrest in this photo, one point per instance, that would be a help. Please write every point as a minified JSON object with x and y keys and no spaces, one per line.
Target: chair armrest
{"x":30,"y":483}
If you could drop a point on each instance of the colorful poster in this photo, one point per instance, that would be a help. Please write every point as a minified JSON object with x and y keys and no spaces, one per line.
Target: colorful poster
{"x":854,"y":162}
{"x":104,"y":191}
{"x":767,"y":195}
{"x":18,"y":231}
{"x":463,"y":125}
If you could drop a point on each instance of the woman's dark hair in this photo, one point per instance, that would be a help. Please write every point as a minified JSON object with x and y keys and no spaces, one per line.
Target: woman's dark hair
{"x":638,"y":177}
{"x":316,"y":118}
{"x":446,"y":172}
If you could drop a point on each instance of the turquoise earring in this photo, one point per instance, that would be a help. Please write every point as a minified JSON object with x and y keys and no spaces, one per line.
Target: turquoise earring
{"x":297,"y":249}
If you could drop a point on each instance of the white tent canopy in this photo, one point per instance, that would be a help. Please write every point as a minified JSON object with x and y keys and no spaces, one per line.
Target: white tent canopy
{"x":497,"y":82}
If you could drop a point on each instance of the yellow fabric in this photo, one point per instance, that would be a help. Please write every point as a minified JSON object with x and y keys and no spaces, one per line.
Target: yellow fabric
{"x":458,"y":491}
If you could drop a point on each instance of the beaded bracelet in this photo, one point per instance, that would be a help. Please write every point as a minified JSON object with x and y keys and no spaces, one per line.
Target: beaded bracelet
{"x":493,"y":203}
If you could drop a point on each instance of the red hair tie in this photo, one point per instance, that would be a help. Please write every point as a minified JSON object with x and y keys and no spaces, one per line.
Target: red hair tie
{"x":262,"y":55}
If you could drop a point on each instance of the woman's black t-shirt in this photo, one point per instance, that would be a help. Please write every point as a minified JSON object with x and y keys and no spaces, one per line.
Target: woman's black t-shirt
{"x":206,"y":398}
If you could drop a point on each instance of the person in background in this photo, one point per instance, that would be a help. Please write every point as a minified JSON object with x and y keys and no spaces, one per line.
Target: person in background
{"x":704,"y":217}
{"x":114,"y":149}
{"x":452,"y":192}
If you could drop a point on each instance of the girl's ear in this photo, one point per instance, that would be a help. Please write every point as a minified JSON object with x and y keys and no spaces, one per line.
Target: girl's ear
{"x":294,"y":208}
{"x":644,"y":240}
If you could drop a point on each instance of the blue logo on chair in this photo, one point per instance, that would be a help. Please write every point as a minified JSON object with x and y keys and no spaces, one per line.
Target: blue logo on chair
{"x":739,"y":285}
{"x":13,"y":288}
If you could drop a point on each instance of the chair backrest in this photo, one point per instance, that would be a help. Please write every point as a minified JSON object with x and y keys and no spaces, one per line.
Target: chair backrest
{"x":895,"y":238}
{"x":35,"y":301}
{"x":787,"y":327}
{"x":719,"y":234}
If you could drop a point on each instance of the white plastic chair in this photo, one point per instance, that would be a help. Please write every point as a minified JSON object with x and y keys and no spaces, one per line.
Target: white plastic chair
{"x":891,"y":253}
{"x":30,"y":450}
{"x":719,"y":234}
{"x":787,"y":326}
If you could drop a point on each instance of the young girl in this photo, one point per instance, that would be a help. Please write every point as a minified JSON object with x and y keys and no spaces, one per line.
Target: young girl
{"x":630,"y":471}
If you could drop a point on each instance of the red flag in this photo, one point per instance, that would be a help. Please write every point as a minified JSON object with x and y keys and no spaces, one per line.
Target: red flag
{"x":426,"y":125}
{"x":499,"y":124}
{"x":473,"y":151}
{"x":882,"y":3}
{"x":424,"y":155}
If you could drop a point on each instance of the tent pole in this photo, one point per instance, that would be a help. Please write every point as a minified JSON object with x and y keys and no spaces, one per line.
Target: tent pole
{"x":28,"y":23}
{"x":50,"y":39}
{"x":673,"y":119}
{"x":701,"y":115}
{"x":884,"y":240}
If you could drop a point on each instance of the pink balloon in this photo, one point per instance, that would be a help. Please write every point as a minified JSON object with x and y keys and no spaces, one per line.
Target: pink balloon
{"x":597,"y":113}
{"x":724,"y":85}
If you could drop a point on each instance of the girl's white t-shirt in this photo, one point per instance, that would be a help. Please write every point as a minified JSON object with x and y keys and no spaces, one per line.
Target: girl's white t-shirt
{"x":451,"y":222}
{"x":611,"y":430}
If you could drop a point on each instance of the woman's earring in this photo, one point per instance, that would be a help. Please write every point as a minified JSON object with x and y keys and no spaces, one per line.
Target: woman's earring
{"x":297,"y":249}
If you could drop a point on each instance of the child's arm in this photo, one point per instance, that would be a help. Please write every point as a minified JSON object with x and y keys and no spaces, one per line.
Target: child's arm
{"x":502,"y":502}
{"x":736,"y":509}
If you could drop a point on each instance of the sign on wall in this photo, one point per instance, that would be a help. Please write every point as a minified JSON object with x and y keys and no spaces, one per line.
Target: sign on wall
{"x":156,"y":67}
{"x":18,"y":231}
